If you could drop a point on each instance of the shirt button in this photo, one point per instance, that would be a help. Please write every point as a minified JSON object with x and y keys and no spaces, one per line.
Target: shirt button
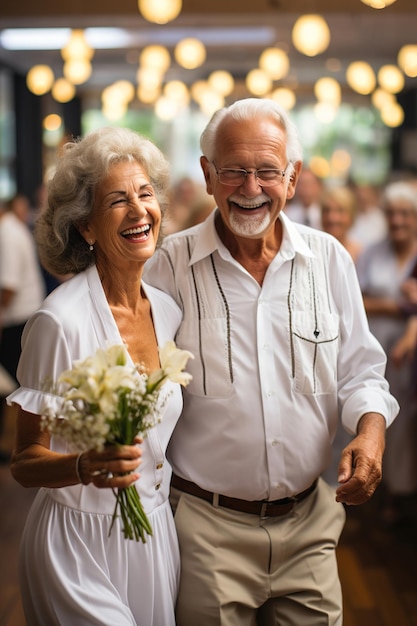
{"x":274,"y":442}
{"x":157,"y":486}
{"x":159,"y":466}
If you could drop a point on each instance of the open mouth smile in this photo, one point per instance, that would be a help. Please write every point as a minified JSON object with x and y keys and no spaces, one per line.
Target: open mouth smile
{"x":249,"y":206}
{"x":138,"y":233}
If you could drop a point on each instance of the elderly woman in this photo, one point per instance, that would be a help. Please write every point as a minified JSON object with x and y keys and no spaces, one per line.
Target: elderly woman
{"x":101,"y":224}
{"x":338,"y":213}
{"x":382,"y":270}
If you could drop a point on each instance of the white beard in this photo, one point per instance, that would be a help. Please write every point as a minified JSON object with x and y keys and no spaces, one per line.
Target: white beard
{"x":249,"y":225}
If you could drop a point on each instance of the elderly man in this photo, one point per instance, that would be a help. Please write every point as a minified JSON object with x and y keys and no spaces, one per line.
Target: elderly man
{"x":274,"y":316}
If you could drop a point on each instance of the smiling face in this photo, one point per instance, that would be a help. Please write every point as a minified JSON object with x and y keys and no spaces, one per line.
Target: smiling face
{"x":401,"y":219}
{"x":336,"y":217}
{"x":125,"y":222}
{"x":249,"y":210}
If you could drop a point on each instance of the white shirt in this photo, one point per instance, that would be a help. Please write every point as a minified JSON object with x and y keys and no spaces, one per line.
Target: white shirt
{"x":274,"y":366}
{"x":19,"y":270}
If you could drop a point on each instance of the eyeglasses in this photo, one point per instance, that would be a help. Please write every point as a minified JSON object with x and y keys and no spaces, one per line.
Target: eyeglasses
{"x":236,"y":178}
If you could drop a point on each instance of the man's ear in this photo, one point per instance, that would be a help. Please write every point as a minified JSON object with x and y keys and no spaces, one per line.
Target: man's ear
{"x":205,"y":166}
{"x":293,"y":179}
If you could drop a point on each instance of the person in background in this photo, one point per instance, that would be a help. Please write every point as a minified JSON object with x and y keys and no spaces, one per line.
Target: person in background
{"x":200,"y":209}
{"x":370,"y":225}
{"x":382,"y":270}
{"x":338,"y":213}
{"x":304,"y":208}
{"x":101,"y":223}
{"x":184,"y":194}
{"x":21,"y":287}
{"x":404,"y":350}
{"x":273,"y":314}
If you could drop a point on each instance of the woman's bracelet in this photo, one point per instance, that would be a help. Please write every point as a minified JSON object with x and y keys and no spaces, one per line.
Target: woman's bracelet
{"x":77,"y":468}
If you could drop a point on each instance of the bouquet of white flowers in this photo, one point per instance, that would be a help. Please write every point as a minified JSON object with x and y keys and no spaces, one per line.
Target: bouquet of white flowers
{"x":107,"y":401}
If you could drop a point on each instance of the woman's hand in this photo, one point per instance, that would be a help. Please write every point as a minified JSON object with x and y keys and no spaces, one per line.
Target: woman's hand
{"x":34,"y":464}
{"x":113,"y":467}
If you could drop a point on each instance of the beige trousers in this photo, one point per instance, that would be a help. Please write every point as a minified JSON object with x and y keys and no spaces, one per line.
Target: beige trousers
{"x":242,"y":570}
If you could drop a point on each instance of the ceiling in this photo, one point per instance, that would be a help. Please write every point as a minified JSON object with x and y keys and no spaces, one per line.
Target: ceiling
{"x":357,"y":33}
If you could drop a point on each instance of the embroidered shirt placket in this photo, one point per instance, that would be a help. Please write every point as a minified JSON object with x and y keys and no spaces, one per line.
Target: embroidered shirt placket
{"x":227,"y":309}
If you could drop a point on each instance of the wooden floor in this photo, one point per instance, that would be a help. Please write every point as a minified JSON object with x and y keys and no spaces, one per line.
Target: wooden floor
{"x":378,"y":568}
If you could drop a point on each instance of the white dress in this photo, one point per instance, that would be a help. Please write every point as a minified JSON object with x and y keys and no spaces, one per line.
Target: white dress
{"x":71,"y":571}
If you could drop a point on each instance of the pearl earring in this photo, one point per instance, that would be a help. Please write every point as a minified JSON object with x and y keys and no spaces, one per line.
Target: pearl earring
{"x":91,"y":246}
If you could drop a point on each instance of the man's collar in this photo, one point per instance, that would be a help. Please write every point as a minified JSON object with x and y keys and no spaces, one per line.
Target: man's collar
{"x":207,"y":239}
{"x":292,"y":239}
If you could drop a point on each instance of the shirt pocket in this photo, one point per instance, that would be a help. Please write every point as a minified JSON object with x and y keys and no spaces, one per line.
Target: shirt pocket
{"x":212,"y":368}
{"x":315,"y":346}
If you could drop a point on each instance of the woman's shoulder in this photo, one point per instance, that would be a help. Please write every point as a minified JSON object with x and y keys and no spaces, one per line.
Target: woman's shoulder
{"x":68,"y":294}
{"x":65,"y":309}
{"x":64,"y":323}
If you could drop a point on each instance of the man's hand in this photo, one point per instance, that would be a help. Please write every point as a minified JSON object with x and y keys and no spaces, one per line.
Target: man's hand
{"x":360,"y":467}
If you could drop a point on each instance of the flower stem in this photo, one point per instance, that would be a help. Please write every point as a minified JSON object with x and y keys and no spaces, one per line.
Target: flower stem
{"x":134,"y":520}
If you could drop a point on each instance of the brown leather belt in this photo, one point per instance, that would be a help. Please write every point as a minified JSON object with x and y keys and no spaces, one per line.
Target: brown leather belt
{"x":263,"y":508}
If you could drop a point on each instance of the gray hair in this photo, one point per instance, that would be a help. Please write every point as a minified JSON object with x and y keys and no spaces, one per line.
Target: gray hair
{"x":81,"y":167}
{"x":400,"y":190}
{"x":248,"y":109}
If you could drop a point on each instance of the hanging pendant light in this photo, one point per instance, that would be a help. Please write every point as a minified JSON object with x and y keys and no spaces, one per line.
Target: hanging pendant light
{"x":391,"y":78}
{"x":222,"y":82}
{"x":378,"y":4}
{"x":40,"y":79}
{"x":274,"y":62}
{"x":392,"y":115}
{"x":327,"y":89}
{"x":77,"y":47}
{"x":77,"y":71}
{"x":361,"y":77}
{"x":258,"y":82}
{"x":311,"y":35}
{"x":407,"y":60}
{"x":285,"y":97}
{"x":190,"y":53}
{"x":156,"y":57}
{"x":63,"y":90}
{"x":160,"y":11}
